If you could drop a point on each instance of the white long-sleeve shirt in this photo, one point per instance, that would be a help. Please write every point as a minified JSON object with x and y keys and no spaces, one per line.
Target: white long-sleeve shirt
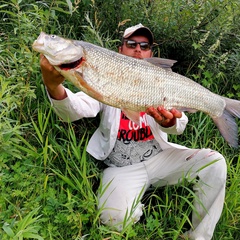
{"x":79,"y":105}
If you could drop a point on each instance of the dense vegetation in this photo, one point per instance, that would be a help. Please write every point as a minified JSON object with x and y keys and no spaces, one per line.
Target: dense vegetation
{"x":48,"y":183}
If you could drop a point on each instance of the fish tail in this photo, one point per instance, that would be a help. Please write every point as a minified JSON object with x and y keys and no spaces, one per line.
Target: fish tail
{"x":227,"y":124}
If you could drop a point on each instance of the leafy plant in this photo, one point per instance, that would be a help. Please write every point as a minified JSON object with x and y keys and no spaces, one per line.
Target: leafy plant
{"x":26,"y":228}
{"x":48,"y":182}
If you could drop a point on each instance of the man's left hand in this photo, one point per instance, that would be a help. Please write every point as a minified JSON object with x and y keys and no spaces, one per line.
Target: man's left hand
{"x":164,"y":117}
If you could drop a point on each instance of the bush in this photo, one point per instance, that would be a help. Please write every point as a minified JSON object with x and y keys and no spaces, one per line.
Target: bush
{"x":48,"y":183}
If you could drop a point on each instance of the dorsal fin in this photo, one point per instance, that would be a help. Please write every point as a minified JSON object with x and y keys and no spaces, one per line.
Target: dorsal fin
{"x":161,"y":62}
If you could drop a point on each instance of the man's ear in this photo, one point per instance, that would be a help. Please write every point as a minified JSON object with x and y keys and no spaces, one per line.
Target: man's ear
{"x":120,"y":49}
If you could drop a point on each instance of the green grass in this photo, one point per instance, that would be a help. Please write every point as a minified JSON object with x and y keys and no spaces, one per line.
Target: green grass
{"x":48,"y":183}
{"x":51,"y":191}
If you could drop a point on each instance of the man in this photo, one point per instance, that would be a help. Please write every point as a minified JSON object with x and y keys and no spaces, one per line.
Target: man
{"x":140,"y":156}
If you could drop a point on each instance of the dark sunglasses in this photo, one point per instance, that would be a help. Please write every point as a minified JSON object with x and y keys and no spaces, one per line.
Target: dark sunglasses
{"x":133,"y":44}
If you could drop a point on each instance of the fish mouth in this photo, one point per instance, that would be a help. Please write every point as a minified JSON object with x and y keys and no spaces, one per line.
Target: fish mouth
{"x":37,"y":45}
{"x":71,"y":65}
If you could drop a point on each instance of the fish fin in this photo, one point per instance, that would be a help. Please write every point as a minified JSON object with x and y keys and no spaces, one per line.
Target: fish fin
{"x":132,"y":115}
{"x":227,"y":124}
{"x":161,"y":62}
{"x":185,"y":109}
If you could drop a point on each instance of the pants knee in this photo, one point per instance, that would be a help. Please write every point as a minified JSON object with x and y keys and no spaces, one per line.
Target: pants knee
{"x":216,"y":167}
{"x":220,"y":166}
{"x":113,"y":218}
{"x":120,"y":218}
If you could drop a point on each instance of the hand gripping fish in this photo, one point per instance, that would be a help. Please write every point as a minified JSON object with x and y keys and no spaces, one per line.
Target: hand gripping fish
{"x":135,"y":84}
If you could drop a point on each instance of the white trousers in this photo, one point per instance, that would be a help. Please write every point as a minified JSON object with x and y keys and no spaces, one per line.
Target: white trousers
{"x":123,"y":187}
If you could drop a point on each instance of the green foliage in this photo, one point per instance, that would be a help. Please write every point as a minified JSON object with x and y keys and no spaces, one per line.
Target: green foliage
{"x":23,"y":229}
{"x":8,"y":127}
{"x":48,"y":182}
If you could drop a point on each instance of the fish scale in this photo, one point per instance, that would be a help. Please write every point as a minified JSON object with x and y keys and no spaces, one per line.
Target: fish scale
{"x":135,"y":84}
{"x":144,"y":94}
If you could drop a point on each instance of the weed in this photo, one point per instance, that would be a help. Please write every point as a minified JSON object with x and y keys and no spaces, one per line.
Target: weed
{"x":48,"y":182}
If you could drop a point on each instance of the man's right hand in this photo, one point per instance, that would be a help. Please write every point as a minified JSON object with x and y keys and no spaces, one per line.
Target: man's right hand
{"x":52,"y":79}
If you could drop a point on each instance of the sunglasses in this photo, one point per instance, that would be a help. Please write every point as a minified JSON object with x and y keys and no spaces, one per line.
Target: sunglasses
{"x":133,"y":44}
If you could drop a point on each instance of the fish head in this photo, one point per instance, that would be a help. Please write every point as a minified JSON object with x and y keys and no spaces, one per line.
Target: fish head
{"x":57,"y":50}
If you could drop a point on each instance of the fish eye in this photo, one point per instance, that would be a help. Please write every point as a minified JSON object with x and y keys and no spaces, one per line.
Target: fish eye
{"x":53,"y":36}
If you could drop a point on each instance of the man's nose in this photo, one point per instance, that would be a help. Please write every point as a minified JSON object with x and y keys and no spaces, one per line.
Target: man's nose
{"x":138,"y":48}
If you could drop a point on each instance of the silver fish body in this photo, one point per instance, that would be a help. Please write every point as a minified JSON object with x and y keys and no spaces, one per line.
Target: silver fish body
{"x":135,"y":84}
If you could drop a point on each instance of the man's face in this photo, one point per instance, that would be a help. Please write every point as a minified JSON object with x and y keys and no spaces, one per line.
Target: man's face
{"x":136,"y":52}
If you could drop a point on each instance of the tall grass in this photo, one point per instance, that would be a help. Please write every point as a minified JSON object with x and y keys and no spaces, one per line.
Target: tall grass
{"x":48,"y":183}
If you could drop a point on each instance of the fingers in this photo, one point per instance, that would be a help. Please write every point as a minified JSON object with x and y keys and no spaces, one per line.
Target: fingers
{"x":165,"y":113}
{"x":43,"y":59}
{"x":164,"y":117}
{"x":160,"y":115}
{"x":176,"y":113}
{"x":45,"y":65}
{"x":154,"y":113}
{"x":51,"y":77}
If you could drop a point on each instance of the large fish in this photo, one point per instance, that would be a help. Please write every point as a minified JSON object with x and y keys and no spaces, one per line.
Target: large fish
{"x":135,"y":84}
